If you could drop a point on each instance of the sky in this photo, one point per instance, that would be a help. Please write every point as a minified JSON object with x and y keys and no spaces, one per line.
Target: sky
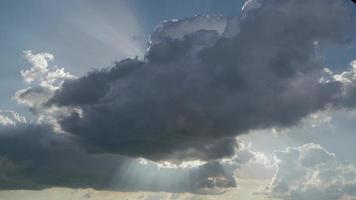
{"x":188,"y":99}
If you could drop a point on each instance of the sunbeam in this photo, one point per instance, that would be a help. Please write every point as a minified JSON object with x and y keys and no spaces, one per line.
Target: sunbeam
{"x":117,"y":26}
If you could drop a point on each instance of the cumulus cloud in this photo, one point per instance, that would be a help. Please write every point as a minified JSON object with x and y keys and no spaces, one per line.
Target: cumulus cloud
{"x":311,"y":172}
{"x":205,"y":80}
{"x":38,"y":155}
{"x":43,"y":79}
{"x":40,"y":71}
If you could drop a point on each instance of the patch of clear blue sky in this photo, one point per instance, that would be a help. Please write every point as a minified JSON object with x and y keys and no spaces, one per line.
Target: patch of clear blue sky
{"x":46,"y":26}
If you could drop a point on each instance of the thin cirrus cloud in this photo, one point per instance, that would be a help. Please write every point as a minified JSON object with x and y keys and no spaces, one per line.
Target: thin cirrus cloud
{"x":202,"y":82}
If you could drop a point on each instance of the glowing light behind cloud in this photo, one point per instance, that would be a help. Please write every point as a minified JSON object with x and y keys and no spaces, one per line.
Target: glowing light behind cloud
{"x":144,"y":174}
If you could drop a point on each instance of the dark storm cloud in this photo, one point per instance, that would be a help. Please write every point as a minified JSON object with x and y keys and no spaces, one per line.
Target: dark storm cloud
{"x":197,"y":89}
{"x":33,"y":157}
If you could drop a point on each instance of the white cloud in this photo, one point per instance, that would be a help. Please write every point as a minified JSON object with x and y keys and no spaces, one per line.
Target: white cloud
{"x":6,"y":121}
{"x":42,"y":72}
{"x":347,"y":77}
{"x":251,"y":4}
{"x":9,"y":117}
{"x":311,"y":172}
{"x":44,"y":80}
{"x":39,"y":66}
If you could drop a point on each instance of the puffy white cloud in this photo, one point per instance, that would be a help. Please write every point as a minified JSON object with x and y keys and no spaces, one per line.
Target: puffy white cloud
{"x":44,"y":80}
{"x":311,"y":172}
{"x":42,"y":72}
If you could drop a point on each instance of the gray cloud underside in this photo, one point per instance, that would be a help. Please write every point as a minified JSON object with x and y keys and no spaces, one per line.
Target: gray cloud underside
{"x":195,"y":91}
{"x":33,"y":157}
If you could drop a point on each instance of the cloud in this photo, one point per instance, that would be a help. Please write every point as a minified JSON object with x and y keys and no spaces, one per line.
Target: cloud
{"x":37,"y":155}
{"x":177,"y":29}
{"x":311,"y":172}
{"x":193,"y":176}
{"x":47,"y":77}
{"x":43,"y":80}
{"x":34,"y":157}
{"x":199,"y":85}
{"x":10,"y":117}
